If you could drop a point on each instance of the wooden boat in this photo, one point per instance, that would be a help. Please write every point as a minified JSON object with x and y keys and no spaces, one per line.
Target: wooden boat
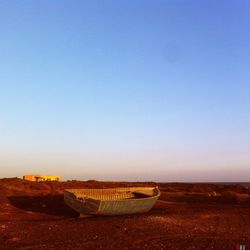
{"x":112,"y":201}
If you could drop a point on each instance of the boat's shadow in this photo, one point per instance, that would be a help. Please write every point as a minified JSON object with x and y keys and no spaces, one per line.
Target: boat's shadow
{"x":49,"y":204}
{"x":54,"y":205}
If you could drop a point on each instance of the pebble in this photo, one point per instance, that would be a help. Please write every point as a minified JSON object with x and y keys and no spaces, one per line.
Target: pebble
{"x":15,"y":239}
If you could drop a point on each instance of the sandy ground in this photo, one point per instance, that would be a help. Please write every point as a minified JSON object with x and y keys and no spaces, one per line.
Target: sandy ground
{"x":188,"y":216}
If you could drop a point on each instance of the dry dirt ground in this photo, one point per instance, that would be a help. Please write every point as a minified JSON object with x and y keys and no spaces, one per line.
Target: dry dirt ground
{"x":188,"y":216}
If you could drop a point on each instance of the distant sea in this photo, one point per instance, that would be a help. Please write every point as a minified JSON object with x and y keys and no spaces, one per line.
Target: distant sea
{"x":245,"y":184}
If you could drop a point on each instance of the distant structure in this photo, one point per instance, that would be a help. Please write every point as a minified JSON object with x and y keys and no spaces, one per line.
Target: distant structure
{"x":41,"y":177}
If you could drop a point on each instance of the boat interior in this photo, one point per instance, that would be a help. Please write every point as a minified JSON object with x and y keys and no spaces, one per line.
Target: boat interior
{"x":114,"y":194}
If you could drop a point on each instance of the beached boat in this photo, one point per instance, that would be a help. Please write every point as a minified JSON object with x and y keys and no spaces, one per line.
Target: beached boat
{"x":112,"y":201}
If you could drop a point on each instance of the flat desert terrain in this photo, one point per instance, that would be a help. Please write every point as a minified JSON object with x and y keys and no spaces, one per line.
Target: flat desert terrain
{"x":187,"y":216}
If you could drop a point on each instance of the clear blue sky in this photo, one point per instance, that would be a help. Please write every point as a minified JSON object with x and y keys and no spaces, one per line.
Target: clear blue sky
{"x":125,"y":90}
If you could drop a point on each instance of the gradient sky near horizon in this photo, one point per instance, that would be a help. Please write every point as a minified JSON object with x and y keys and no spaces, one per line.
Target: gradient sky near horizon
{"x":125,"y":90}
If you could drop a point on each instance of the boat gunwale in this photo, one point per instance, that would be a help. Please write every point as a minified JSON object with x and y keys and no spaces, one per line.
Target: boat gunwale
{"x":122,"y":200}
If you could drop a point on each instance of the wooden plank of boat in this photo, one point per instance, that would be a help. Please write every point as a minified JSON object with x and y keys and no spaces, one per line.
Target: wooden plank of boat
{"x":111,"y":201}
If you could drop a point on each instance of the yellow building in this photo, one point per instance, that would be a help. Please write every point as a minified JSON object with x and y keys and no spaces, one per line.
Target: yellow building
{"x":49,"y":178}
{"x":41,"y":177}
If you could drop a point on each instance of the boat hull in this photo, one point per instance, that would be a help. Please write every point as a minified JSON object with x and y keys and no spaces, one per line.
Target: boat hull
{"x":115,"y":201}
